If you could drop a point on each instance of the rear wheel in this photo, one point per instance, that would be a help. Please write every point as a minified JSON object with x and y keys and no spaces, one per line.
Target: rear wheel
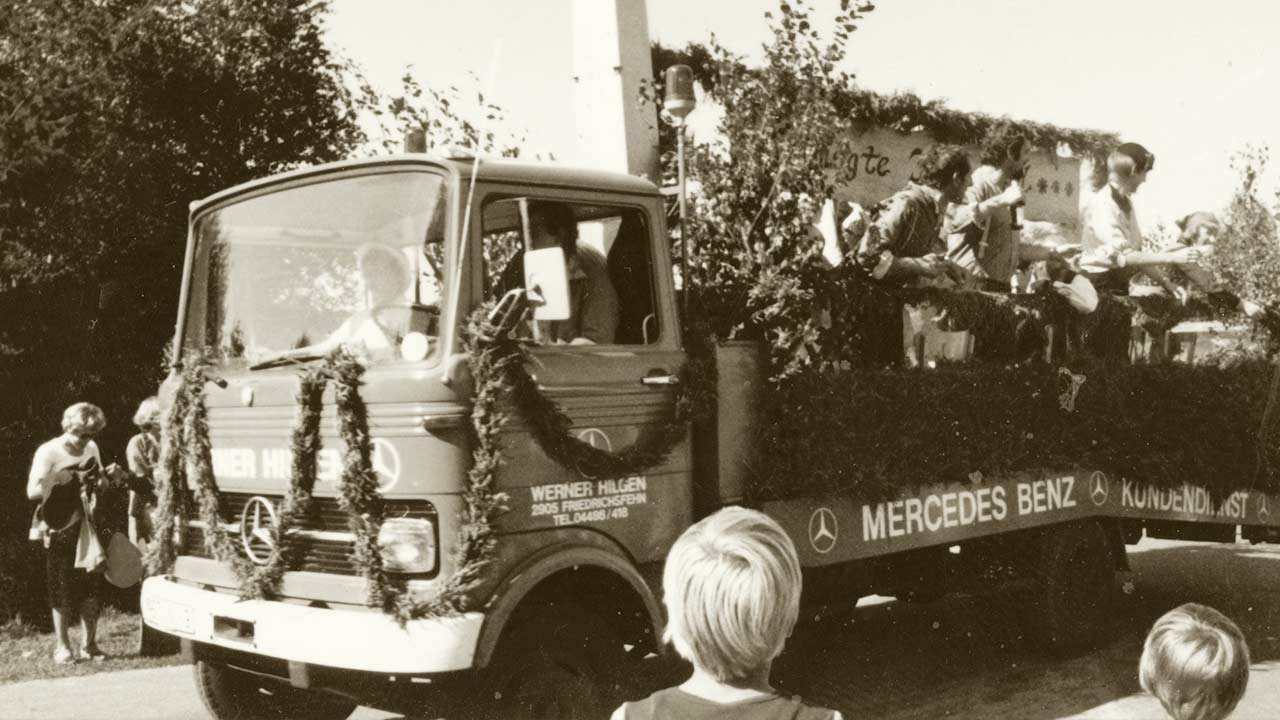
{"x":561,"y":662}
{"x":1075,"y":589}
{"x":230,"y":694}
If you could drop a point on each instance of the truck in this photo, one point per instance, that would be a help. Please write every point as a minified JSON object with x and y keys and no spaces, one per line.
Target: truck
{"x":570,"y":598}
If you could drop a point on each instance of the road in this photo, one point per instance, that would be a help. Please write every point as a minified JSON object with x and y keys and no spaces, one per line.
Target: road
{"x":959,"y":658}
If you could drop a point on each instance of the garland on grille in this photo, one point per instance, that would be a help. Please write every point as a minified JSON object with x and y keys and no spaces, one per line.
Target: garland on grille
{"x":185,"y":454}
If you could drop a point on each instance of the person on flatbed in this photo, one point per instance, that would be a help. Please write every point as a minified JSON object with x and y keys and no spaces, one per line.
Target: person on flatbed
{"x":905,"y":244}
{"x":982,"y":237}
{"x":1112,"y":252}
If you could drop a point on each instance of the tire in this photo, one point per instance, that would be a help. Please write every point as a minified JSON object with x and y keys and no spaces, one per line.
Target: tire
{"x":1076,"y":589}
{"x":230,"y":694}
{"x":565,"y":663}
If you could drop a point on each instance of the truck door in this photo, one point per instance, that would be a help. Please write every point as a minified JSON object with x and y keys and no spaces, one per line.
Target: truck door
{"x":609,"y":368}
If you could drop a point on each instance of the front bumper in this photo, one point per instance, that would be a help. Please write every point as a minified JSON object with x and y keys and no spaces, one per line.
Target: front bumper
{"x":369,"y":641}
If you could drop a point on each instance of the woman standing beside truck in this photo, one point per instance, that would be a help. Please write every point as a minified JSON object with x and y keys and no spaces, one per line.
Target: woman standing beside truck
{"x":55,"y":476}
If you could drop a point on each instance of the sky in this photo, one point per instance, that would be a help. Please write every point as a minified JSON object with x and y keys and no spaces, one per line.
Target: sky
{"x":1195,"y":82}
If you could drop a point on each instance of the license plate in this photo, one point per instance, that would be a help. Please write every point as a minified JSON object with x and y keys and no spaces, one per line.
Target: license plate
{"x":172,"y":616}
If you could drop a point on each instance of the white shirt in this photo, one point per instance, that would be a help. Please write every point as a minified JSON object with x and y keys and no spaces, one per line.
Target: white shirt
{"x":54,"y":456}
{"x":1110,"y":232}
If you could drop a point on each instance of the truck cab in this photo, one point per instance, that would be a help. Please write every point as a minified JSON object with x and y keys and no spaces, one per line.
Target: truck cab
{"x":388,"y":258}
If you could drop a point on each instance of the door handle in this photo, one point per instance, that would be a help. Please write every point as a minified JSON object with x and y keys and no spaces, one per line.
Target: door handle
{"x":657,"y":379}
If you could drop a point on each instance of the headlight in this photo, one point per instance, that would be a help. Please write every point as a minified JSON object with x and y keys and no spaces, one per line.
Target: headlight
{"x":408,"y":545}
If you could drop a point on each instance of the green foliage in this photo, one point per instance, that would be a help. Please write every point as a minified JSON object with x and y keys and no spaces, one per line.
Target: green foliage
{"x":870,"y":434}
{"x":114,"y":115}
{"x":904,"y":112}
{"x":443,"y":116}
{"x":760,"y":188}
{"x":1247,"y":254}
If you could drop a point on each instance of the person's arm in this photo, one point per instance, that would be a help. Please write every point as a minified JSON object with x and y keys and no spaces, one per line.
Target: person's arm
{"x":987,"y":201}
{"x":1032,"y":250}
{"x":136,"y":458}
{"x":1113,"y":229}
{"x":1145,"y":259}
{"x":40,"y":469}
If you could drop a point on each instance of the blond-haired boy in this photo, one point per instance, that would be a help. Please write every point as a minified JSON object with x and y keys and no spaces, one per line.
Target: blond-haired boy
{"x":1196,"y":662}
{"x":732,"y":590}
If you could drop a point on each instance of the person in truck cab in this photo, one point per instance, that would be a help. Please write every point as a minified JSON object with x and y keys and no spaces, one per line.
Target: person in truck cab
{"x":593,"y":301}
{"x":385,"y":277}
{"x":904,"y":244}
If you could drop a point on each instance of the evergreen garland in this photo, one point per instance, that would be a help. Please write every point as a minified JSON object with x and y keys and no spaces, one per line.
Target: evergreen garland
{"x":171,"y":510}
{"x":186,"y":454}
{"x":476,"y":539}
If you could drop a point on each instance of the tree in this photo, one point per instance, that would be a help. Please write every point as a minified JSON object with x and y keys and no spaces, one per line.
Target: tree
{"x":760,"y":186}
{"x":1247,"y":256}
{"x":114,"y":115}
{"x":442,"y":115}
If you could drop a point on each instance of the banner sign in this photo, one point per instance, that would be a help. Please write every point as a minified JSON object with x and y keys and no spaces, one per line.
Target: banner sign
{"x":837,"y":529}
{"x":879,"y":163}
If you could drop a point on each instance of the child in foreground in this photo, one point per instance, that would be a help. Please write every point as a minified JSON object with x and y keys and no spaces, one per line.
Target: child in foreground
{"x":1196,"y":663}
{"x":732,"y":590}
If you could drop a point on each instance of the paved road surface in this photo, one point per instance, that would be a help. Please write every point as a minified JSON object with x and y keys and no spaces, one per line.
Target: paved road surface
{"x":960,"y":658}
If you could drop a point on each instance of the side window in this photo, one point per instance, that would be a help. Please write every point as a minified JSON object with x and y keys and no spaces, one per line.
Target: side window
{"x":608,"y":263}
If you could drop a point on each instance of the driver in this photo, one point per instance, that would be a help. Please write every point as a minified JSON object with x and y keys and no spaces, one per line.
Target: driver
{"x":593,"y":302}
{"x":384,"y":320}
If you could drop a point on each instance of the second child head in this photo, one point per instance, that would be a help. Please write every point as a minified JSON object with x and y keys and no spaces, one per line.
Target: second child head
{"x":732,"y":590}
{"x":1196,"y":663}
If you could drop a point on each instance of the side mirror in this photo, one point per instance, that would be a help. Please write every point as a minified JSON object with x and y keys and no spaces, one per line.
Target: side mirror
{"x":546,"y":282}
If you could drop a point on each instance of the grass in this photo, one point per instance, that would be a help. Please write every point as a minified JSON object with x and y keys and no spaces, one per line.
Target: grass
{"x":27,"y":653}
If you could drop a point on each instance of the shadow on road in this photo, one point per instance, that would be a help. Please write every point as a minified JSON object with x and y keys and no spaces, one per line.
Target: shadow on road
{"x":967,"y":657}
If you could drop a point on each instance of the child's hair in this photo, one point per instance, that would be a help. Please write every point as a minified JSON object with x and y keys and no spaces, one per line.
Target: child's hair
{"x":732,"y":590}
{"x":148,"y":413}
{"x":1196,"y":663}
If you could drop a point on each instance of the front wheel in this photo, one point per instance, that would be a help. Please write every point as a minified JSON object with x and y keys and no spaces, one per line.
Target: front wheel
{"x":230,"y":694}
{"x":567,"y":664}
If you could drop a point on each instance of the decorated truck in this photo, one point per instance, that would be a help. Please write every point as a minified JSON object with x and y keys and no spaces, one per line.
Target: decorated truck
{"x":383,"y":482}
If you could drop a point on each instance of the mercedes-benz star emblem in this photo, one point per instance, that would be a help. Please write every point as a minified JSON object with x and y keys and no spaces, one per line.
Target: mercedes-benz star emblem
{"x":596,"y":438}
{"x":823,"y":530}
{"x":1099,"y":488}
{"x":385,"y":461}
{"x":257,"y":522}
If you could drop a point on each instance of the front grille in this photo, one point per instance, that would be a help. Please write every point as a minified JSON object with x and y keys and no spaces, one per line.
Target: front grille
{"x":322,"y":546}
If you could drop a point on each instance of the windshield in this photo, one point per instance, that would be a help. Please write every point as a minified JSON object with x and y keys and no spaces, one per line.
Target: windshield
{"x":290,"y":275}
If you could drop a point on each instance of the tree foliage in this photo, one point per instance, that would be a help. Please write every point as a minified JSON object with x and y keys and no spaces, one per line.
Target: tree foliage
{"x":1247,"y":256}
{"x":448,"y":116}
{"x":114,"y":115}
{"x":759,"y":187}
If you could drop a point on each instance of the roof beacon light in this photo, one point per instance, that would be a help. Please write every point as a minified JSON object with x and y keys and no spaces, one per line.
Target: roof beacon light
{"x":678,"y":98}
{"x":415,"y":141}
